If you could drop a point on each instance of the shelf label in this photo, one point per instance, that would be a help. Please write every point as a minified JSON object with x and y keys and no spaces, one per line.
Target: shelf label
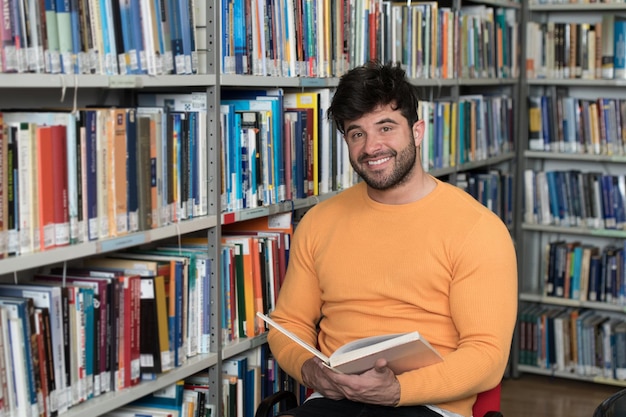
{"x":122,"y":242}
{"x":124,"y":81}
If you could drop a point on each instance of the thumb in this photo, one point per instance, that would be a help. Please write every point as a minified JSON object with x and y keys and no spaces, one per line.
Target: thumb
{"x":381,"y":365}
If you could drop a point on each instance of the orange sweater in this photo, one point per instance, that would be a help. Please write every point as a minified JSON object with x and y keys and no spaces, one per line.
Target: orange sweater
{"x":444,"y":265}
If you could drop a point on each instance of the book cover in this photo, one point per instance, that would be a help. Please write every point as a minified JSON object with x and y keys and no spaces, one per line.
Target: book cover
{"x":132,"y":171}
{"x":619,"y":48}
{"x":45,"y":174}
{"x":144,"y":170}
{"x":118,"y":219}
{"x":153,"y":337}
{"x":61,"y":192}
{"x":403,"y":352}
{"x":157,"y":171}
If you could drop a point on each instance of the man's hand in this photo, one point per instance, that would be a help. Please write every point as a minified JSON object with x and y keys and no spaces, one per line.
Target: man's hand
{"x":376,"y":386}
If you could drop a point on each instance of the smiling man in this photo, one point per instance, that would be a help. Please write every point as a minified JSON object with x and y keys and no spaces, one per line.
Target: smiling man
{"x":400,"y":251}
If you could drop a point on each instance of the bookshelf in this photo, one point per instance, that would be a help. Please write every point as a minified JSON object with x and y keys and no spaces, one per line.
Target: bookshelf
{"x":29,"y":91}
{"x":575,"y":312}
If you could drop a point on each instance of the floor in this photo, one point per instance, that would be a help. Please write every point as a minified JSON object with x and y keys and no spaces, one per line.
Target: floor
{"x":544,"y":396}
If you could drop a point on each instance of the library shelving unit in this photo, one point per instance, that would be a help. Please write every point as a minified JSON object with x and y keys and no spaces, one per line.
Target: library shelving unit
{"x":571,"y":242}
{"x":490,"y":90}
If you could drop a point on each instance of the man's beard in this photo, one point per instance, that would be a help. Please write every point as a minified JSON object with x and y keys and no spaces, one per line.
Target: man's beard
{"x":402,"y":169}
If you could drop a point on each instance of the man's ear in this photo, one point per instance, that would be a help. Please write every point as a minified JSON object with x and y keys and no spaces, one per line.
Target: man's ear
{"x":418,"y":132}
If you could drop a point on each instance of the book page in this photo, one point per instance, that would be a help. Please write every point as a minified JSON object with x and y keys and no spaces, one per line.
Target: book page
{"x":365,"y":342}
{"x":293,"y":337}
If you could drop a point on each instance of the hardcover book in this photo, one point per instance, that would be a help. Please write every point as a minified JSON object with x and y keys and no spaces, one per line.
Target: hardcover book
{"x":403,"y":351}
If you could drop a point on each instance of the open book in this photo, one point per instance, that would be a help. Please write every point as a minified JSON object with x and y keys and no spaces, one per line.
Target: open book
{"x":403,"y":351}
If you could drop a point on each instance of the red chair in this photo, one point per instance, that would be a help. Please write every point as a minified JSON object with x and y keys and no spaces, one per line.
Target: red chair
{"x":487,"y":403}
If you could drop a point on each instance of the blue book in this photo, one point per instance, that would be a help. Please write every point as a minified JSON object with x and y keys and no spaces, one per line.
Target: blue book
{"x":170,"y":397}
{"x":176,"y":36}
{"x":575,"y":275}
{"x":239,"y":36}
{"x":462,"y":134}
{"x":553,"y":193}
{"x":438,"y":137}
{"x":193,"y":161}
{"x":108,"y":37}
{"x":608,"y":205}
{"x":88,"y":312}
{"x":123,"y":13}
{"x":77,"y":44}
{"x":227,"y":114}
{"x":138,"y":66}
{"x":619,"y":57}
{"x":188,"y":34}
{"x":227,"y":68}
{"x":132,"y":189}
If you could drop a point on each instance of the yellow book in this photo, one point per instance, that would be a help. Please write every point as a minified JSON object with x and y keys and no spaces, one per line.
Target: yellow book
{"x":309,"y":100}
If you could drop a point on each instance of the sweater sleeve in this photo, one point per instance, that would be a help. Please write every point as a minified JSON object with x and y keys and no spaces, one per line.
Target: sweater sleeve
{"x":299,"y":309}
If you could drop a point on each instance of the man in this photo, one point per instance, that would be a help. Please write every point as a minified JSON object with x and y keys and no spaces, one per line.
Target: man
{"x":400,"y":251}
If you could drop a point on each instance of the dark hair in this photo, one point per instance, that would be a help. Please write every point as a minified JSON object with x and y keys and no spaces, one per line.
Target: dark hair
{"x":368,"y":86}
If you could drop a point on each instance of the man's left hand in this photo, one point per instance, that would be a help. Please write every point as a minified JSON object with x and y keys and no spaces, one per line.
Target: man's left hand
{"x":376,"y":386}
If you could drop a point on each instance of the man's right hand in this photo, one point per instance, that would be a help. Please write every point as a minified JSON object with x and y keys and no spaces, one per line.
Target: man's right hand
{"x":317,"y":376}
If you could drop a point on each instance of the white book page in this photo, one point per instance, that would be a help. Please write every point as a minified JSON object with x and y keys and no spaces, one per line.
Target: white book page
{"x":293,"y":337}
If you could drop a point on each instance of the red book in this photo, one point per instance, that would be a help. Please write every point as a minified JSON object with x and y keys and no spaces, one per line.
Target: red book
{"x":59,"y":178}
{"x":46,"y":188}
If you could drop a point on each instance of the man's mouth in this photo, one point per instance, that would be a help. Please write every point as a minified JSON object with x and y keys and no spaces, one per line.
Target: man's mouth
{"x":378,"y":161}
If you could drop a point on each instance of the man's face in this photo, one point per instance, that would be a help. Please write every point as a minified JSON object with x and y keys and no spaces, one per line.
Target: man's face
{"x":382,"y":148}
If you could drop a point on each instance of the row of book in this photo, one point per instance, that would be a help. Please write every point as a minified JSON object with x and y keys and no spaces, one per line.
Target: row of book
{"x":562,"y":123}
{"x":102,"y":37}
{"x":322,"y":39}
{"x":71,"y":177}
{"x":532,"y":2}
{"x":493,"y":189}
{"x":574,"y":198}
{"x":254,"y":259}
{"x":575,"y":341}
{"x":248,"y":378}
{"x":474,"y":128}
{"x":279,"y":146}
{"x":590,"y":50}
{"x":585,"y":272}
{"x":185,"y":398}
{"x":71,"y":334}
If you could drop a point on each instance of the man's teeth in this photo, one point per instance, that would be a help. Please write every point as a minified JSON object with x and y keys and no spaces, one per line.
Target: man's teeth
{"x":378,"y":162}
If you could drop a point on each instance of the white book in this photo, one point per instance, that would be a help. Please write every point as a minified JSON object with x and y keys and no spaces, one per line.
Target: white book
{"x":403,"y":351}
{"x":23,"y":406}
{"x":45,"y":296}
